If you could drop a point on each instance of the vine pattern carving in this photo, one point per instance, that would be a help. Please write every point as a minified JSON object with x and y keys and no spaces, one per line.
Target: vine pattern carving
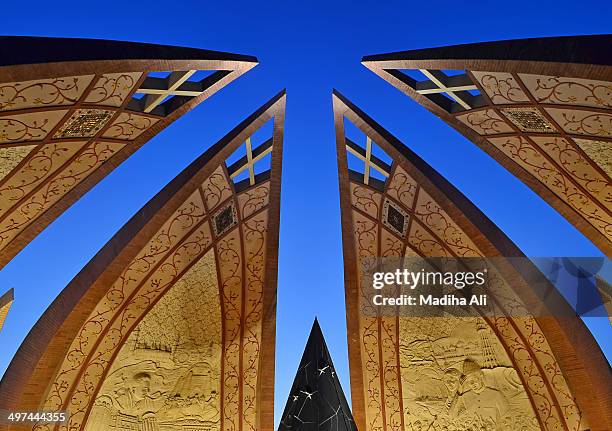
{"x":485,"y":122}
{"x":171,"y":269}
{"x":167,"y":374}
{"x":230,"y":275}
{"x":254,"y":234}
{"x":366,"y":238}
{"x":112,"y":89}
{"x":571,"y":160}
{"x":527,"y":156}
{"x":28,"y":127}
{"x":366,"y":199}
{"x":569,"y":91}
{"x":402,"y":187}
{"x":44,"y":92}
{"x":129,"y":126}
{"x":40,"y":163}
{"x":583,"y":122}
{"x":64,"y":180}
{"x":252,"y":200}
{"x":171,"y":233}
{"x":216,"y":189}
{"x":501,"y":87}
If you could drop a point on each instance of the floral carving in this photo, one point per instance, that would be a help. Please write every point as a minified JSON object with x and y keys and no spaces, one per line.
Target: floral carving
{"x":583,"y":122}
{"x":28,"y":127}
{"x":437,"y":355}
{"x":569,"y":91}
{"x":434,"y":217}
{"x":216,"y":189}
{"x":112,"y":89}
{"x":485,"y":122}
{"x":425,"y":243}
{"x":230,"y":267}
{"x":168,"y":371}
{"x":129,"y":126}
{"x":39,"y":164}
{"x":90,"y":159}
{"x":365,"y":199}
{"x":501,"y":87}
{"x":45,"y":92}
{"x":252,"y":200}
{"x":402,"y":187}
{"x":254,"y":234}
{"x":158,"y":282}
{"x":528,"y":156}
{"x":390,"y":245}
{"x":571,"y":160}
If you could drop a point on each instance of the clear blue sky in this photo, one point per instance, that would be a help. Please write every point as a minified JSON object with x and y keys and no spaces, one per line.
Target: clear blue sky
{"x":309,"y":47}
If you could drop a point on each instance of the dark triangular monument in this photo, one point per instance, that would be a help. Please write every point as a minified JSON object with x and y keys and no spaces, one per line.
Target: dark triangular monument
{"x":316,"y":401}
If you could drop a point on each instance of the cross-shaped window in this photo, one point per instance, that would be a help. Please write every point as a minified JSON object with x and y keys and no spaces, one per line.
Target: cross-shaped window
{"x":370,"y":160}
{"x":156,"y":90}
{"x":250,"y":159}
{"x":454,"y":87}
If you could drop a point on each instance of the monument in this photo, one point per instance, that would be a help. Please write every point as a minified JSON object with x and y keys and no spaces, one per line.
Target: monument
{"x":316,"y":400}
{"x":171,"y":326}
{"x":490,"y":371}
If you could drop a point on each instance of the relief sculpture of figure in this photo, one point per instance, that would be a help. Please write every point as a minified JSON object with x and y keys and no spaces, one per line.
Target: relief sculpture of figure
{"x":477,"y":399}
{"x":452,"y":381}
{"x":145,"y":401}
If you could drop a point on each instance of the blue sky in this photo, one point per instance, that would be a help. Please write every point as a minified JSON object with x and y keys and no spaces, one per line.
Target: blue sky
{"x":309,"y":48}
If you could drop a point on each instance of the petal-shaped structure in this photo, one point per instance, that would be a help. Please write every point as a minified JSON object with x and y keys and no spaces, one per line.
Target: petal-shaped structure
{"x":526,"y":372}
{"x":71,"y":110}
{"x":541,"y":107}
{"x":172,"y":324}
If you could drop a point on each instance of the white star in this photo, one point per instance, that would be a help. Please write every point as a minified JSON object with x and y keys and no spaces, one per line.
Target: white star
{"x":308,"y":395}
{"x":295,"y":397}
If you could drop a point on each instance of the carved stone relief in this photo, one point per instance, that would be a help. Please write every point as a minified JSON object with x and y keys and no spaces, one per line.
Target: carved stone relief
{"x":166,"y":377}
{"x":43,"y":92}
{"x":569,"y":91}
{"x":501,"y":87}
{"x":457,"y":376}
{"x":472,"y":374}
{"x":34,"y":126}
{"x":112,"y":88}
{"x":485,"y":122}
